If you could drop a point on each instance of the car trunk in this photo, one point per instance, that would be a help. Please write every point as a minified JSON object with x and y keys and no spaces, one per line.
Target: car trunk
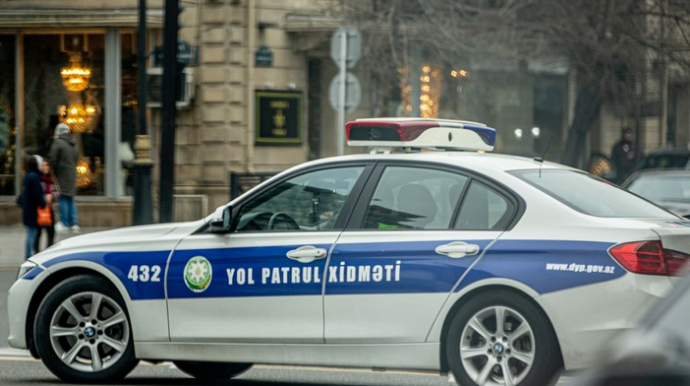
{"x":675,"y":236}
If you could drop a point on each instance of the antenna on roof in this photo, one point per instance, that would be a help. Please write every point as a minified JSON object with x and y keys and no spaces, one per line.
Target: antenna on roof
{"x":541,"y":159}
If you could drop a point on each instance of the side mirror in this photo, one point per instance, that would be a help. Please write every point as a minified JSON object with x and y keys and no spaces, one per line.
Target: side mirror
{"x":223,"y":224}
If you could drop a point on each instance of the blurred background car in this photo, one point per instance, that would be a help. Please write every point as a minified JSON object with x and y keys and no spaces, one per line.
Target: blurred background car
{"x":669,"y":189}
{"x":666,"y":158}
{"x":655,"y":353}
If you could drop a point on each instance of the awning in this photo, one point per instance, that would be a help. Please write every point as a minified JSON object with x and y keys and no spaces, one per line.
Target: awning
{"x":78,"y":18}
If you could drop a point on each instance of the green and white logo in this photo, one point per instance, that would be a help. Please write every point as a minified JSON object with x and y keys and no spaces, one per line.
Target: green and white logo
{"x":198,"y":274}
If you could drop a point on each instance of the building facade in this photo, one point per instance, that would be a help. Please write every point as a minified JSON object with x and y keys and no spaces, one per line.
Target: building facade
{"x":255,"y":99}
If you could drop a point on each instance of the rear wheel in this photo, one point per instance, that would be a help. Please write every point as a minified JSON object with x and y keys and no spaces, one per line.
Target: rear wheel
{"x":82,"y":331}
{"x":501,"y":338}
{"x":212,"y":371}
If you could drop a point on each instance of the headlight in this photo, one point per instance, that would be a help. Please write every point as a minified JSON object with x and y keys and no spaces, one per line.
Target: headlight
{"x":25,"y":268}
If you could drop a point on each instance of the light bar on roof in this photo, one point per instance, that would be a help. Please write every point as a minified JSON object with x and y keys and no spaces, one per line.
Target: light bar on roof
{"x":420,"y":133}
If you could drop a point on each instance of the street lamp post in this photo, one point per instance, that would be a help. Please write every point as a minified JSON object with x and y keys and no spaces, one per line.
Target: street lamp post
{"x":170,"y":88}
{"x":142,"y":210}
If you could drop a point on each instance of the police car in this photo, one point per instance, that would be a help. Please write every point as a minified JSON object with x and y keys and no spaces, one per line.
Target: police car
{"x":500,"y":270}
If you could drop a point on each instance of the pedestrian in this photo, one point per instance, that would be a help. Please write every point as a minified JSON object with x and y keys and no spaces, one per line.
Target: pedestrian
{"x":49,"y":188}
{"x":64,"y":155}
{"x":623,"y":156}
{"x":34,"y":198}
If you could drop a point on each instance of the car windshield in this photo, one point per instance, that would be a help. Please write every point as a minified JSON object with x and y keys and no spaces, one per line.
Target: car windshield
{"x":590,"y":195}
{"x":662,"y":187}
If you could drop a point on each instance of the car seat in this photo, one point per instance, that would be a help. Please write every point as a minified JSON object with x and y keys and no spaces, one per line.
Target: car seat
{"x":416,"y":206}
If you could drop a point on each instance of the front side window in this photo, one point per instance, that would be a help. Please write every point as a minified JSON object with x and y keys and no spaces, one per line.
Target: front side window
{"x":590,"y":195}
{"x":310,"y":202}
{"x":414,"y":198}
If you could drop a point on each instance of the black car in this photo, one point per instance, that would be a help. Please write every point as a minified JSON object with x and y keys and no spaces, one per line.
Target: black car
{"x":666,"y":159}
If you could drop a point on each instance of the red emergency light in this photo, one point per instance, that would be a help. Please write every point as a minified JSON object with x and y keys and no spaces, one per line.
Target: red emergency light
{"x":420,"y":133}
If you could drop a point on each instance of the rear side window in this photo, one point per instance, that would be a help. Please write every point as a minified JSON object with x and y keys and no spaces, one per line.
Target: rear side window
{"x":483,"y":209}
{"x":590,"y":195}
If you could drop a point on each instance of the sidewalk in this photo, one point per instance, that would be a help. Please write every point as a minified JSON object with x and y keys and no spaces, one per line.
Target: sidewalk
{"x":13,"y":237}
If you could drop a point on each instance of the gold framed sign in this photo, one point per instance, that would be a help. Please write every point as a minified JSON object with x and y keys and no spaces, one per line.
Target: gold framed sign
{"x":278,"y":118}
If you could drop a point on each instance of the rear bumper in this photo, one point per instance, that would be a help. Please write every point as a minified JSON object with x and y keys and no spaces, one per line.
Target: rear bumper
{"x":586,"y":318}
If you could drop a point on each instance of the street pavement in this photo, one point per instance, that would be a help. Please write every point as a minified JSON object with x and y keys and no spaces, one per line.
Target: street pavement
{"x":12,"y":238}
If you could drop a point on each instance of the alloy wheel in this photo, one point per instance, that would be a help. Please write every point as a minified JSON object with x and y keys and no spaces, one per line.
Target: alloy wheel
{"x":497,"y":347}
{"x":89,"y":332}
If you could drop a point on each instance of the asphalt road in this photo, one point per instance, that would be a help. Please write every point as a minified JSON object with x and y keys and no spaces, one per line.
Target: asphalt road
{"x":20,"y":370}
{"x":30,"y":372}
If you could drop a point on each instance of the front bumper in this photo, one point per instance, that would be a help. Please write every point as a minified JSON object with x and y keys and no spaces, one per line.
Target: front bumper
{"x":18,"y":301}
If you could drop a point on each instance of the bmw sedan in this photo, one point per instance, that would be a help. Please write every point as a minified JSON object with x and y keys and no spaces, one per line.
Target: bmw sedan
{"x":500,"y":270}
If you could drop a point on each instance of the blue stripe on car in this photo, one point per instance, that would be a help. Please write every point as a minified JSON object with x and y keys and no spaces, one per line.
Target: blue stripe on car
{"x":526,"y":261}
{"x":421,"y":269}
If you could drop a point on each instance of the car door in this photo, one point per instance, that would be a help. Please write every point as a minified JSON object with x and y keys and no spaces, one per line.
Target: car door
{"x":415,"y":233}
{"x":263,"y":281}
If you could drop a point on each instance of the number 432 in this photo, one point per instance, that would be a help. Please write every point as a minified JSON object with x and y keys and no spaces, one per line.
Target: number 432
{"x":144,"y":273}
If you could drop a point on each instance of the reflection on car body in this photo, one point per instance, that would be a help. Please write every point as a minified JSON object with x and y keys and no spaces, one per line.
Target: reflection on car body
{"x":498,"y":269}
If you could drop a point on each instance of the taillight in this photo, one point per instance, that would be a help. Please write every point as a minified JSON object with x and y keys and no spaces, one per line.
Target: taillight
{"x":650,"y":258}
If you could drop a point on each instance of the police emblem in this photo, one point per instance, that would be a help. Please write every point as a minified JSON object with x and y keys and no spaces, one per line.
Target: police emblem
{"x":198,"y":274}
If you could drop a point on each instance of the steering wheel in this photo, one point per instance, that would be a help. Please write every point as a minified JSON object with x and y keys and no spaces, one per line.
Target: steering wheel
{"x":281,"y":217}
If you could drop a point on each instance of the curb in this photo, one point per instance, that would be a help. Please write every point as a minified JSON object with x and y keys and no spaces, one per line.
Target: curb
{"x":8,"y":352}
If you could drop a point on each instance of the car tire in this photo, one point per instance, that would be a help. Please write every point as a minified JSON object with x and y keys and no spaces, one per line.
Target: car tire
{"x":480,"y":352}
{"x":213,"y":372}
{"x":69,"y":333}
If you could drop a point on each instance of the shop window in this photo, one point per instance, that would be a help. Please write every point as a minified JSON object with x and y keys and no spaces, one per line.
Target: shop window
{"x":130,"y":102}
{"x":8,"y":125}
{"x":64,"y":82}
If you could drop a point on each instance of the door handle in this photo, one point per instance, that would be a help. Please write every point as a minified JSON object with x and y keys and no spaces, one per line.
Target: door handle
{"x":306,"y":254}
{"x":457,"y":249}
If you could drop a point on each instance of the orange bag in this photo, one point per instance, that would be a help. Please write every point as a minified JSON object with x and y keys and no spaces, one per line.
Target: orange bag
{"x":45,"y":217}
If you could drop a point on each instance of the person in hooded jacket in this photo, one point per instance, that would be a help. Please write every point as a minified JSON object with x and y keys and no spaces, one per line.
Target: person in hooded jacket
{"x":64,"y":155}
{"x":33,"y":199}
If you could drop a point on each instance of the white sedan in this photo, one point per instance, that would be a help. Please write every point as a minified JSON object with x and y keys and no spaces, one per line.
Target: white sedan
{"x":499,"y":269}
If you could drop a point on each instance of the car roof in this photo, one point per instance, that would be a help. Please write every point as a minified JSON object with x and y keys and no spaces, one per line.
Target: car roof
{"x":476,"y":161}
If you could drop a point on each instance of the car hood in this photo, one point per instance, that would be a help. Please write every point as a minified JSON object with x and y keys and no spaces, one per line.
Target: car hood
{"x":145,"y":237}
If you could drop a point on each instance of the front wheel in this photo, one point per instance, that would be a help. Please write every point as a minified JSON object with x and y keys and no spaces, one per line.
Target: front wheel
{"x":82,"y":332}
{"x":214,"y":372}
{"x":501,"y":338}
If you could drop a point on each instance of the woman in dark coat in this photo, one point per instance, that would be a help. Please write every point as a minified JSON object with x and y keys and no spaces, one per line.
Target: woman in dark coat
{"x":33,"y":199}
